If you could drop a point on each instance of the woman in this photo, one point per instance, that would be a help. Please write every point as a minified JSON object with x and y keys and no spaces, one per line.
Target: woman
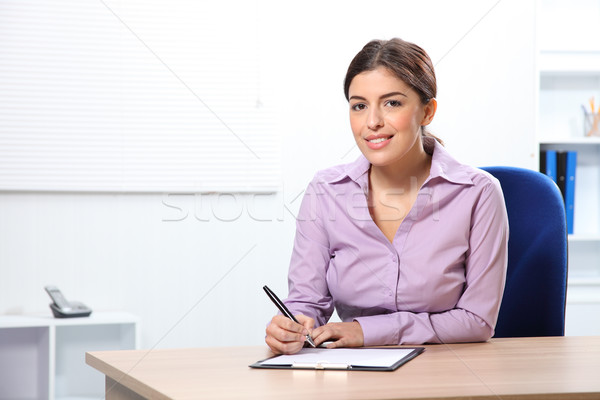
{"x":407,"y":244}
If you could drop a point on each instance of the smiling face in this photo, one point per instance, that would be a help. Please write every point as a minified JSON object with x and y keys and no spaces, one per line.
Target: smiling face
{"x":386,"y":116}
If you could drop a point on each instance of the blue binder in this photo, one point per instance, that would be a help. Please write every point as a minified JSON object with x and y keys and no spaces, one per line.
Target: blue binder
{"x":551,"y":164}
{"x":570,"y":189}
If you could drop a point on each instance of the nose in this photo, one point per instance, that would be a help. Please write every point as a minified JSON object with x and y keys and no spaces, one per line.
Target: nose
{"x":374,"y":119}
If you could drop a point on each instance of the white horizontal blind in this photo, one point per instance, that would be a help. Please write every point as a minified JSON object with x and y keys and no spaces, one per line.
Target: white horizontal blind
{"x":133,"y":97}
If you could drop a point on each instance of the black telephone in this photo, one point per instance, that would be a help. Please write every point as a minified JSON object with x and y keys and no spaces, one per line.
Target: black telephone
{"x":61,"y":308}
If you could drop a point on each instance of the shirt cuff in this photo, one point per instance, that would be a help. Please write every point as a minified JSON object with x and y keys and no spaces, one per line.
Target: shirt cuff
{"x":379,"y":329}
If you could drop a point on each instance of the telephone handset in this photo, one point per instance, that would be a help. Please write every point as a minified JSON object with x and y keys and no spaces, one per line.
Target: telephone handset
{"x":61,"y":308}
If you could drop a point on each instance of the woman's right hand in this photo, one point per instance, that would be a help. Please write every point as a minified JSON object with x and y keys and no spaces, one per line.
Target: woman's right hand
{"x":284,"y":336}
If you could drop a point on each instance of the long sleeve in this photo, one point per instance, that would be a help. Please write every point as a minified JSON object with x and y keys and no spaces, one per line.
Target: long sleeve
{"x":308,"y":290}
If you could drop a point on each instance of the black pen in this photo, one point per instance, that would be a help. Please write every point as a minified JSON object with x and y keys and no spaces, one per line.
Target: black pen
{"x":284,"y":310}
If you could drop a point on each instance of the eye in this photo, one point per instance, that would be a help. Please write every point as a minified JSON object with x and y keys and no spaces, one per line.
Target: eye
{"x":358,"y":107}
{"x":393,"y":103}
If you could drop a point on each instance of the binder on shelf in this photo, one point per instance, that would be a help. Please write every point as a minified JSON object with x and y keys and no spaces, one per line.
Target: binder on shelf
{"x":549,"y":167}
{"x":561,"y":171}
{"x":543,"y":161}
{"x":570,"y":167}
{"x":561,"y":166}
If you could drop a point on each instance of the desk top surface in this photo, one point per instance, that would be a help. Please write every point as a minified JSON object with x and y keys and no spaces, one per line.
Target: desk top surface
{"x":532,"y":368}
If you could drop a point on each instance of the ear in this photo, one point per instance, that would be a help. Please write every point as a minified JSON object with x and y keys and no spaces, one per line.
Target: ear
{"x":429,"y":109}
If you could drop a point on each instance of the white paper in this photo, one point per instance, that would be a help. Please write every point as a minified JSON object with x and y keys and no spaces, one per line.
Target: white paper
{"x":360,"y":357}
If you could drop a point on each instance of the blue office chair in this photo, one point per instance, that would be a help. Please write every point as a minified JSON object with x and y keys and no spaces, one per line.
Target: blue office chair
{"x":536,"y":283}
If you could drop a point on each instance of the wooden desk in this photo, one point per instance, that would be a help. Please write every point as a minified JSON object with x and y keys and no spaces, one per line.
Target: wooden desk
{"x":528,"y":368}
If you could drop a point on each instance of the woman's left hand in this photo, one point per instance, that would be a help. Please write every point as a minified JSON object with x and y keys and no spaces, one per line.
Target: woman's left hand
{"x":343,"y":334}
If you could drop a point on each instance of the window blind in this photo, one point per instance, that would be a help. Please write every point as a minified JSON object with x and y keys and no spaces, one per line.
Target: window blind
{"x":133,"y":97}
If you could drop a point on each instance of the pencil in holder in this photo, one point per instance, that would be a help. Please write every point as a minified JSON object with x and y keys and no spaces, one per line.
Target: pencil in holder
{"x":591,"y":123}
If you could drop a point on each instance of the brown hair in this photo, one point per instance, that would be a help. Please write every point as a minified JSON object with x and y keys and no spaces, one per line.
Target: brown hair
{"x":409,"y":62}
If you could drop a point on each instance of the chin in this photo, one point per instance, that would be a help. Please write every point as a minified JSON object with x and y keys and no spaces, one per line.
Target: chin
{"x":378,"y":157}
{"x":379,"y":160}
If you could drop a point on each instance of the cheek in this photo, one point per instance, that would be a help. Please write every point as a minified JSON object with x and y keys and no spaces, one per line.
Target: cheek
{"x":403,"y":121}
{"x":356,"y":124}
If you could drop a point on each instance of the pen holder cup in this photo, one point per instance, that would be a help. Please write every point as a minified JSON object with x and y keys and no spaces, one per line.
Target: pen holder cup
{"x":591,"y":124}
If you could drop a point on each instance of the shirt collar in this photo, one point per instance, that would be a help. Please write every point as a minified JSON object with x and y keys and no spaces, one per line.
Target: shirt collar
{"x":443,"y":165}
{"x":357,"y":171}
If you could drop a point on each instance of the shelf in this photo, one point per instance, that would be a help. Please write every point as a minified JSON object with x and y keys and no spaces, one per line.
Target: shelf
{"x":584,"y":238}
{"x":102,"y":318}
{"x":47,"y":319}
{"x":584,"y":290}
{"x":20,"y":321}
{"x":592,"y":140}
{"x":569,"y":63}
{"x":78,"y":398}
{"x":24,"y":360}
{"x":43,"y":357}
{"x":583,"y":287}
{"x":585,"y":281}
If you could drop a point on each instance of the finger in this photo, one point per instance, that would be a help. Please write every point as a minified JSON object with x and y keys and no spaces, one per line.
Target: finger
{"x":291,"y":348}
{"x":346,"y":340}
{"x":318,"y":331}
{"x":273,"y":344}
{"x":307,"y":322}
{"x":278,"y":347}
{"x":284,"y":335}
{"x":285,"y":330}
{"x":289,"y":325}
{"x":331,"y":330}
{"x":338,"y":343}
{"x":322,"y":334}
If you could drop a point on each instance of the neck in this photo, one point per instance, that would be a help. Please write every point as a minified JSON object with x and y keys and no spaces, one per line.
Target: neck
{"x":405,"y":173}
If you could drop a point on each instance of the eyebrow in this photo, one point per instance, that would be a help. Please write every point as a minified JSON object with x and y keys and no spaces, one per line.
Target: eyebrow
{"x":385,"y":96}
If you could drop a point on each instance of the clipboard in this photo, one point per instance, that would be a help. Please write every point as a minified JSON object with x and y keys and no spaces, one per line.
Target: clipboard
{"x":348,"y":359}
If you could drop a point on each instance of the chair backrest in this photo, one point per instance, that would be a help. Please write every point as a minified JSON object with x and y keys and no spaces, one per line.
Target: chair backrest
{"x":536,"y":282}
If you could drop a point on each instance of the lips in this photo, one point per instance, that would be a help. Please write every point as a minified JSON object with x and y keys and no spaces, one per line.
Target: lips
{"x":376,"y":142}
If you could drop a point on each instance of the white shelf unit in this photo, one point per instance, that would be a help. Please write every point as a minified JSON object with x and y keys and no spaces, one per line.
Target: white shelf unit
{"x":42,"y":357}
{"x":568,"y":79}
{"x":569,"y":63}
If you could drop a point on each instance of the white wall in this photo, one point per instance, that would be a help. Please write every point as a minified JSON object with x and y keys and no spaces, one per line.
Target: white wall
{"x":198,"y":283}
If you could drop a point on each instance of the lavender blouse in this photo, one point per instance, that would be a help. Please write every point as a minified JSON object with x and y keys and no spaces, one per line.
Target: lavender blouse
{"x":441,"y":279}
